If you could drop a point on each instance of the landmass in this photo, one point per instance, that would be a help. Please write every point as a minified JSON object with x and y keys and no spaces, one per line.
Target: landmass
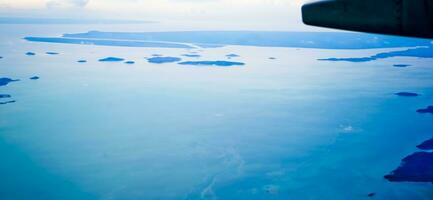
{"x":407,"y":94}
{"x":52,"y":53}
{"x":6,"y":81}
{"x":161,"y":60}
{"x":130,"y":62}
{"x":212,"y":63}
{"x":82,"y":61}
{"x":111,"y":59}
{"x":34,"y":78}
{"x":30,"y":53}
{"x":212,"y":39}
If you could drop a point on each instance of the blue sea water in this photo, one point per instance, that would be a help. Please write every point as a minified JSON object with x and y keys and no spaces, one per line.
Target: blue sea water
{"x":290,"y":128}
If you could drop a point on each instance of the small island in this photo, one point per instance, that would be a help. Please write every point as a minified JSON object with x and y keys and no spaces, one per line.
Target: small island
{"x":162,"y":60}
{"x":212,"y":63}
{"x":364,"y":59}
{"x":407,"y":94}
{"x":6,"y":81}
{"x":30,"y":54}
{"x":51,"y":53}
{"x":7,"y":102}
{"x":82,"y":61}
{"x":429,"y":109}
{"x":191,"y":55}
{"x":401,"y":65}
{"x":232,"y":55}
{"x":130,"y":62}
{"x":111,"y":59}
{"x":2,"y":96}
{"x":34,"y":78}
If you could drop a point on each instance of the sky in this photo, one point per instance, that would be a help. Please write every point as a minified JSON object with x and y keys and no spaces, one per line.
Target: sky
{"x":220,"y":14}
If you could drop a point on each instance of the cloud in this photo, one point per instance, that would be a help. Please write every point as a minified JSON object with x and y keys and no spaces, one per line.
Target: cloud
{"x":66,"y":3}
{"x":192,"y":14}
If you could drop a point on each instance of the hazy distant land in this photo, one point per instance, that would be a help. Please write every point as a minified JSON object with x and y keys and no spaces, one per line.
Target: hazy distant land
{"x":213,"y":39}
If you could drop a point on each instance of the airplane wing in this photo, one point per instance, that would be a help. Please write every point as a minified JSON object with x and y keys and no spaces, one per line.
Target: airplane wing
{"x":396,"y":17}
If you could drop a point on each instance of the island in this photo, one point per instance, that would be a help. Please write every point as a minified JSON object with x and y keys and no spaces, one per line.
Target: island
{"x":34,"y":78}
{"x":419,"y":52}
{"x":82,"y":61}
{"x":111,"y":59}
{"x":426,"y":145}
{"x":7,"y":102}
{"x":2,"y":96}
{"x":191,"y":55}
{"x":6,"y":81}
{"x":52,"y":53}
{"x":407,"y":94}
{"x":364,"y":59}
{"x":401,"y":65}
{"x":30,"y":54}
{"x":417,"y":167}
{"x":161,"y":60}
{"x":232,"y":55}
{"x":130,"y":62}
{"x":212,"y":63}
{"x":429,"y":109}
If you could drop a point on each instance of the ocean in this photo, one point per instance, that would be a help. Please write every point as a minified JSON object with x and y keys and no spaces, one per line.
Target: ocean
{"x":284,"y":125}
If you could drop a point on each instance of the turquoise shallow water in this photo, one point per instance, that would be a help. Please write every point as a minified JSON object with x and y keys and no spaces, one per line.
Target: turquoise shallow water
{"x":289,"y":128}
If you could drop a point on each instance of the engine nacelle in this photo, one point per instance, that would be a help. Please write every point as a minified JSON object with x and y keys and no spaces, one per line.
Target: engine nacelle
{"x":396,"y":17}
